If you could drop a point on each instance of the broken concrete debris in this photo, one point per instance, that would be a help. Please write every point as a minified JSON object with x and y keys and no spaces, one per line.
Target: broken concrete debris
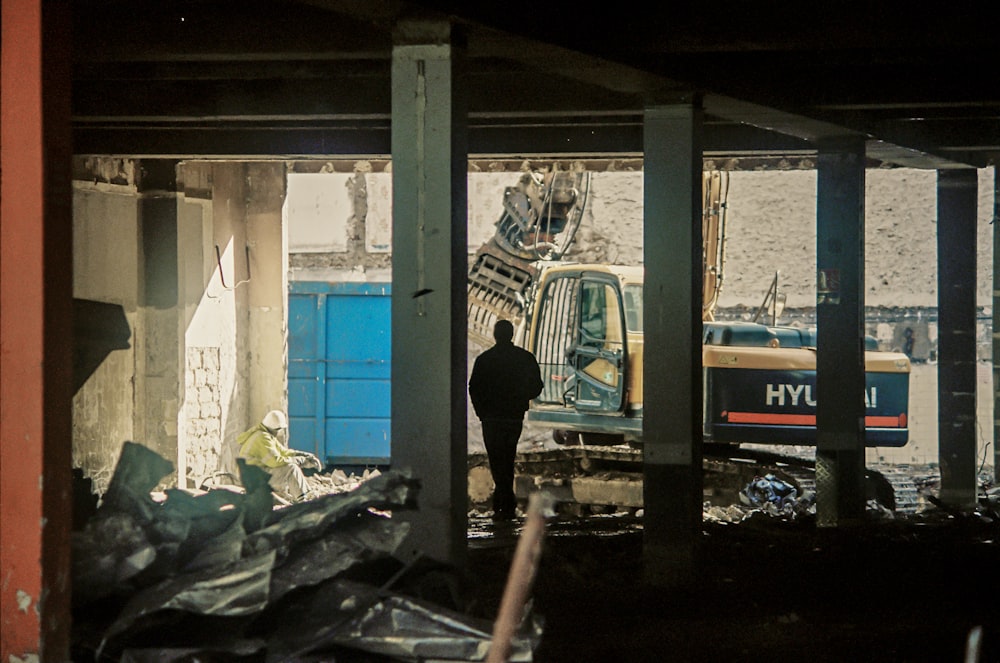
{"x":769,"y":489}
{"x":223,"y":574}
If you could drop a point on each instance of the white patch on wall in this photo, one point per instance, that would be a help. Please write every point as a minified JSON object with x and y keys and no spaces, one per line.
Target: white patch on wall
{"x":483,"y":187}
{"x":486,"y":205}
{"x":378,"y":222}
{"x":318,"y":211}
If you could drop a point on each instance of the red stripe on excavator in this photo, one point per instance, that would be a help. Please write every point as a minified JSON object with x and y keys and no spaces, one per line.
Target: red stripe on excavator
{"x":771,"y":419}
{"x":806,"y":419}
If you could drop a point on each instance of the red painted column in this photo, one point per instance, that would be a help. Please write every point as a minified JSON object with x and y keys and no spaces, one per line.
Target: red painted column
{"x":35,"y":330}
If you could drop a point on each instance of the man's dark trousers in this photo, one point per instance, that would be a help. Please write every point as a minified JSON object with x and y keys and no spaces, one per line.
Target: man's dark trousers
{"x":500,"y":437}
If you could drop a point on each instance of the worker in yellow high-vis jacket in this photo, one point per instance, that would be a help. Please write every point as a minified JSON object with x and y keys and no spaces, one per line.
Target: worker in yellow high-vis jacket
{"x":265,"y":445}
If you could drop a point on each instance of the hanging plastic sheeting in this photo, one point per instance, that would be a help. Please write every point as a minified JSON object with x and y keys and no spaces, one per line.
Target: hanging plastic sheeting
{"x":188,"y":572}
{"x":223,"y":575}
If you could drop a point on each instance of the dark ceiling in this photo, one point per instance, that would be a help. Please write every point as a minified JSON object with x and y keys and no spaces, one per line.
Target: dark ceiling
{"x":312,"y":78}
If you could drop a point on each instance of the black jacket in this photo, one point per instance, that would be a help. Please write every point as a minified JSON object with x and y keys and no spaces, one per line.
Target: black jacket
{"x":504,"y":380}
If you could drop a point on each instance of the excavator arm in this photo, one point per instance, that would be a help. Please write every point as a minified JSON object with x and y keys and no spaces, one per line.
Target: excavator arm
{"x":539,"y":220}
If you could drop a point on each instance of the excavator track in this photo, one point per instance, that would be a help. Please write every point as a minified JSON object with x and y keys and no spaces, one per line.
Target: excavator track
{"x":609,"y":478}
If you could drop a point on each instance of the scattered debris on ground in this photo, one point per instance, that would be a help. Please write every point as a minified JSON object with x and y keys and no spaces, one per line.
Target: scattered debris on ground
{"x":226,"y":575}
{"x":223,"y":574}
{"x":914,"y":588}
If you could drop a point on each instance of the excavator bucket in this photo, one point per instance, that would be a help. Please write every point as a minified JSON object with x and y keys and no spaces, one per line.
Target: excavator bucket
{"x":540,"y":217}
{"x":498,"y":290}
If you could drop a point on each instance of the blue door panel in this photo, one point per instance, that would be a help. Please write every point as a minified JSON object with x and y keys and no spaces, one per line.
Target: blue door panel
{"x":303,"y":316}
{"x":358,"y":398}
{"x":357,"y":337}
{"x":303,"y":436}
{"x":339,"y":368}
{"x":301,"y":397}
{"x":361,"y":441}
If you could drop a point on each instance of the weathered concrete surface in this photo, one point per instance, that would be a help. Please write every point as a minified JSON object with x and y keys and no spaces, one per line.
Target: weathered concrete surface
{"x":105,"y":268}
{"x":209,"y":335}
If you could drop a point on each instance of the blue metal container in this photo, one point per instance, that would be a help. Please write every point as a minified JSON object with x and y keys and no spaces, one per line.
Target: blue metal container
{"x":339,"y":369}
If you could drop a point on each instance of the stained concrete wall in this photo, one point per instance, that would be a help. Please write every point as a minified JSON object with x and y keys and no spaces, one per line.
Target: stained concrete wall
{"x":235,"y":323}
{"x":268,"y":292}
{"x":125,"y":252}
{"x":201,"y":274}
{"x":106,"y":268}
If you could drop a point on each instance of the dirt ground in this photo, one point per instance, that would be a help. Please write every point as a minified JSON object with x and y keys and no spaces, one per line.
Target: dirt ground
{"x":906,"y":590}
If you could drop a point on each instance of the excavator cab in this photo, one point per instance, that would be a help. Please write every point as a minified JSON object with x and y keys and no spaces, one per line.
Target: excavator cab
{"x":598,"y":356}
{"x":580,"y":331}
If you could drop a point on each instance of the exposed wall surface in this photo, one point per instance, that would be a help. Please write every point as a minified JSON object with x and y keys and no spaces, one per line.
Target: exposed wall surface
{"x":339,"y":225}
{"x":207,"y":323}
{"x":234,"y":324}
{"x":201,"y":274}
{"x":106,"y":268}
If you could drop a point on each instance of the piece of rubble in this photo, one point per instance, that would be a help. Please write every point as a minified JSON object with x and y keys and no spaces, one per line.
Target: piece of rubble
{"x":107,"y":554}
{"x":348,"y":614}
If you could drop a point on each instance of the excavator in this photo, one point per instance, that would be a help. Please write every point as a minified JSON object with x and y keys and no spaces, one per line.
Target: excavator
{"x":583,"y":323}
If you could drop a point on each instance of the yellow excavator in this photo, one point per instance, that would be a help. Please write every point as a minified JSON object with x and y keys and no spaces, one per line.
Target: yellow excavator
{"x":584,"y":324}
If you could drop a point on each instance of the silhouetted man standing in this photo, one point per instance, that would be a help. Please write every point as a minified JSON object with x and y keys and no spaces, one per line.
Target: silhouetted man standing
{"x":504,"y":380}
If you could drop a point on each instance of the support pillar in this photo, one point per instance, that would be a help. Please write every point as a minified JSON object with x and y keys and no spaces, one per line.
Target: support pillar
{"x":840,"y":357}
{"x":672,"y":394}
{"x":996,"y":323}
{"x":158,"y":338}
{"x":36,"y":330}
{"x":429,"y":267}
{"x":956,"y":244}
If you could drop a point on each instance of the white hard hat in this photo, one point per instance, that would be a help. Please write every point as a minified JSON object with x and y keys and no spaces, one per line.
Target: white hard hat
{"x":274,"y":420}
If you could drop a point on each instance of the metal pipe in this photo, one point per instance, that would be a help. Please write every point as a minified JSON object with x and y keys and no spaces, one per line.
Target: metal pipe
{"x":521,"y":577}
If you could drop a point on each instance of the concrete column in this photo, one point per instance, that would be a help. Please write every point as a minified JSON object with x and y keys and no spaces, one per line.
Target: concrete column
{"x":157,"y":338}
{"x":956,"y":243}
{"x":36,"y":331}
{"x":429,"y":266}
{"x":672,"y":382}
{"x":840,"y":358}
{"x":107,"y":267}
{"x":996,"y":323}
{"x":267,"y":294}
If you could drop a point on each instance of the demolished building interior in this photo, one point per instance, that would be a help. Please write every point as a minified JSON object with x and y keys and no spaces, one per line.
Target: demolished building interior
{"x":144,"y":154}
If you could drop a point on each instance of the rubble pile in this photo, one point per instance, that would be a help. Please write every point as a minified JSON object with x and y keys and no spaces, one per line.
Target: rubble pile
{"x":224,"y":575}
